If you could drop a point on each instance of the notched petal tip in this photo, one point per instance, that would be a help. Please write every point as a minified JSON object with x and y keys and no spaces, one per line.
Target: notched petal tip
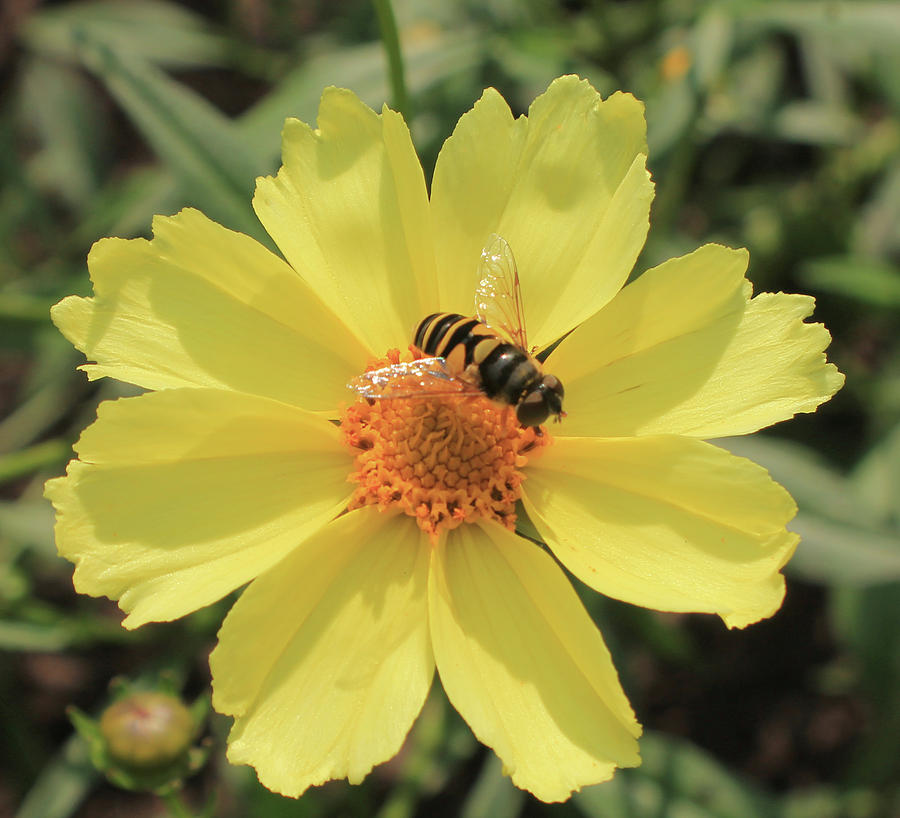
{"x":73,"y":541}
{"x":740,"y":619}
{"x":335,"y":690}
{"x":686,"y":349}
{"x":680,"y":525}
{"x":71,"y":316}
{"x":486,"y":646}
{"x":349,"y":211}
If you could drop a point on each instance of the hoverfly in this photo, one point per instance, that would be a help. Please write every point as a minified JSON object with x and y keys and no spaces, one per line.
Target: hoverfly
{"x":485,"y":355}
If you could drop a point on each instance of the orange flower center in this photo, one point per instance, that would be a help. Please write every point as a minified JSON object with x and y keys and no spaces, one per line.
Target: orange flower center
{"x":442,"y":460}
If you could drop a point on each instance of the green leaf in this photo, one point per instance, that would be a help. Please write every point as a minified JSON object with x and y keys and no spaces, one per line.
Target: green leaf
{"x":19,"y":637}
{"x":875,"y":232}
{"x":361,"y":68}
{"x":877,"y":477}
{"x":712,"y":40}
{"x":47,"y":453}
{"x":866,"y":620}
{"x":831,"y":802}
{"x":62,"y":785}
{"x":493,"y":793}
{"x":670,"y":116}
{"x":62,"y":109}
{"x":211,"y":161}
{"x":842,"y":554}
{"x":45,"y":394}
{"x":29,"y":522}
{"x":843,"y":540}
{"x":861,"y":24}
{"x":804,"y":473}
{"x":817,"y":123}
{"x":751,"y":90}
{"x":19,"y":306}
{"x":45,"y":629}
{"x":863,"y":279}
{"x":676,"y":778}
{"x":125,"y":206}
{"x":160,"y":32}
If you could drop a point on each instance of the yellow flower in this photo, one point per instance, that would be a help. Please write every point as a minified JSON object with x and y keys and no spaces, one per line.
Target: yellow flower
{"x":231,"y":468}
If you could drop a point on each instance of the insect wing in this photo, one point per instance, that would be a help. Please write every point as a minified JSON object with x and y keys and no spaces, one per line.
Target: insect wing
{"x":426,"y":377}
{"x":498,"y":297}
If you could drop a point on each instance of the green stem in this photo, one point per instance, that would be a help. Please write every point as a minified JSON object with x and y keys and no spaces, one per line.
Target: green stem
{"x":18,"y":464}
{"x":391,"y":40}
{"x":177,"y":808}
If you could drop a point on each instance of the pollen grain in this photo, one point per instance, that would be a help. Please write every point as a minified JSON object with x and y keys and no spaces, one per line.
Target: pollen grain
{"x":442,"y":460}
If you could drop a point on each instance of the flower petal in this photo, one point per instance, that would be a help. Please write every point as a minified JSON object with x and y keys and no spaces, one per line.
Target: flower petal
{"x":201,"y":305}
{"x":683,"y":351}
{"x":325,"y":660}
{"x":349,"y":210}
{"x":566,"y":186}
{"x":181,"y":496}
{"x":669,"y":523}
{"x":524,"y":664}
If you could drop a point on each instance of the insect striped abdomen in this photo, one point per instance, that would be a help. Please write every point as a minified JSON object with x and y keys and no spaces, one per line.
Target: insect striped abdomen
{"x":504,"y":371}
{"x":454,"y":338}
{"x":463,"y":355}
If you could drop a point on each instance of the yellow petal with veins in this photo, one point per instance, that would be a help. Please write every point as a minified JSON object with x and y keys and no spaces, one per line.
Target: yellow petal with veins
{"x":669,"y":523}
{"x":204,"y":306}
{"x":179,"y":497}
{"x":349,"y":210}
{"x":566,"y":186}
{"x":683,"y":350}
{"x":325,"y":660}
{"x":524,"y":664}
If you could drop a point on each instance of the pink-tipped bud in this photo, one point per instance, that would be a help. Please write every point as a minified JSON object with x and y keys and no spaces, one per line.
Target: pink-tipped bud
{"x":147,"y":729}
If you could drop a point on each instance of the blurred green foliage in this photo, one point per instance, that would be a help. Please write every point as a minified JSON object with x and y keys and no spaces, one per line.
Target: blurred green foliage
{"x":773,"y":124}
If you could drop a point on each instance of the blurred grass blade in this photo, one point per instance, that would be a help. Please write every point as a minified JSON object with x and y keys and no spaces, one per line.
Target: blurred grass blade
{"x":60,"y":105}
{"x":62,"y":785}
{"x":430,"y":56}
{"x":45,"y":397}
{"x":205,"y":153}
{"x":844,"y":555}
{"x":814,"y":485}
{"x":493,"y":793}
{"x":675,"y":778}
{"x":876,"y":232}
{"x":712,"y":40}
{"x":817,"y":123}
{"x":861,"y":24}
{"x":124,"y":207}
{"x":844,"y":542}
{"x":829,"y":801}
{"x":21,"y":306}
{"x":29,"y":522}
{"x":160,"y":32}
{"x":45,"y":629}
{"x":877,"y":477}
{"x":863,"y":279}
{"x":18,"y":464}
{"x":22,"y":637}
{"x":390,"y":39}
{"x":867,"y":621}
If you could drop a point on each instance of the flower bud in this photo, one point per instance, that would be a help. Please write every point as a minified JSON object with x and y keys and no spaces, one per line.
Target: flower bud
{"x":147,"y":729}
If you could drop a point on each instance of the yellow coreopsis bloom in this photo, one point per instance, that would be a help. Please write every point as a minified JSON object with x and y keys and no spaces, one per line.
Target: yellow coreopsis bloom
{"x":365,"y":576}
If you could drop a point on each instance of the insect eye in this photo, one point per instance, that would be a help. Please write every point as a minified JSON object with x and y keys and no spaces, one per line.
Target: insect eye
{"x":553,"y":384}
{"x":532,"y":410}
